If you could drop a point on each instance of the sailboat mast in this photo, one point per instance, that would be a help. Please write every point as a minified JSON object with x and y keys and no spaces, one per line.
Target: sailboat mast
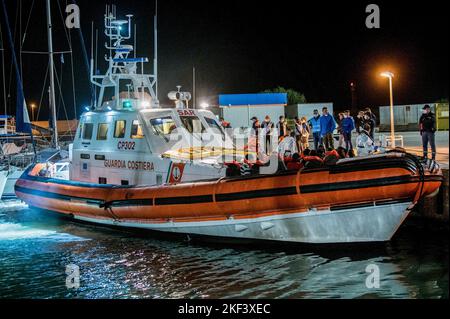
{"x":155,"y":57}
{"x":52,"y":77}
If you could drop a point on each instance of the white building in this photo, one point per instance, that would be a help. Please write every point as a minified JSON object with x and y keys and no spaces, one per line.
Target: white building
{"x":238,"y":109}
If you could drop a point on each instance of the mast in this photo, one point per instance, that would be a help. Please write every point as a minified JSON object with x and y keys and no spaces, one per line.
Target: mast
{"x":155,"y":59}
{"x":52,"y":77}
{"x":3,"y":77}
{"x":194,"y":88}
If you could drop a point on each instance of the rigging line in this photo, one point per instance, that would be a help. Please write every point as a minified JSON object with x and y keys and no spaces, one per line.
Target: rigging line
{"x":62,"y":100}
{"x":73,"y":74}
{"x":20,"y":40}
{"x":61,"y":81}
{"x":73,"y":89}
{"x":46,"y":53}
{"x":3,"y":72}
{"x":64,"y":23}
{"x":11,"y":66}
{"x":28,"y":23}
{"x":43,"y":90}
{"x":86,"y":61}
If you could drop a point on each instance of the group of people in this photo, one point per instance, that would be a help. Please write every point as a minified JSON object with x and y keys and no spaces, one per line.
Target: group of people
{"x":293,"y":144}
{"x":320,"y":126}
{"x":294,"y":151}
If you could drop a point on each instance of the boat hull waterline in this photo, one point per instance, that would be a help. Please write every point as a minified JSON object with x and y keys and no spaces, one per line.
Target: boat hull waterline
{"x":360,"y":201}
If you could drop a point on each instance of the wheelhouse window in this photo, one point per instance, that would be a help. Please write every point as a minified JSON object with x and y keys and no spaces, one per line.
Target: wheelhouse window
{"x":192,"y":124}
{"x":215,"y":126}
{"x":119,"y":130}
{"x":136,"y":130}
{"x":163,"y":126}
{"x":87,"y":131}
{"x":102,"y":132}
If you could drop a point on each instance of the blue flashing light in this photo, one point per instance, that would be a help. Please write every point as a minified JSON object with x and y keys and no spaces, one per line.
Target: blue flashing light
{"x":127,"y":104}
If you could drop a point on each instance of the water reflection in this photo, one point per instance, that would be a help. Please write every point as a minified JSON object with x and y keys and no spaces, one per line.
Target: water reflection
{"x":35,"y":249}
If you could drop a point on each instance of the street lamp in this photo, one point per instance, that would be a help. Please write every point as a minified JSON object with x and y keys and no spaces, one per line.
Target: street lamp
{"x":33,"y":106}
{"x":204,"y":105}
{"x":390,"y":75}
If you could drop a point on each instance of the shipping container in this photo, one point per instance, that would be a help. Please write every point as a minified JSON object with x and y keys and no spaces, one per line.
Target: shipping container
{"x":307,"y":109}
{"x":406,"y":117}
{"x":442,"y":111}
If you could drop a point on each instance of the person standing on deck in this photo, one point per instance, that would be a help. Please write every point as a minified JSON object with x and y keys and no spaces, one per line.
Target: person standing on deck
{"x":305,"y":132}
{"x":427,"y":125}
{"x":314,"y":123}
{"x":372,"y":115}
{"x":339,"y":129}
{"x":347,"y":127}
{"x":288,"y":146}
{"x":370,"y":122}
{"x":224,"y":123}
{"x":327,"y":127}
{"x":267,"y":127}
{"x":282,"y":128}
{"x":359,"y":122}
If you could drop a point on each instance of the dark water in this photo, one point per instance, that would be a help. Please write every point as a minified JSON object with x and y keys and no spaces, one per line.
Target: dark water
{"x":35,"y":249}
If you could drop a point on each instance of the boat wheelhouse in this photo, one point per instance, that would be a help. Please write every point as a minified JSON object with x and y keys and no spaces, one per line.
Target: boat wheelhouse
{"x":148,"y":147}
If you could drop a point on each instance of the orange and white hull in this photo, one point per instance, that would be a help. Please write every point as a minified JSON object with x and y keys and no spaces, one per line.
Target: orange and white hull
{"x":359,"y":200}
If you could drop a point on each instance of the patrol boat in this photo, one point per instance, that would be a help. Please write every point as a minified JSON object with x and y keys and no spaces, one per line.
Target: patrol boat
{"x":134,"y":164}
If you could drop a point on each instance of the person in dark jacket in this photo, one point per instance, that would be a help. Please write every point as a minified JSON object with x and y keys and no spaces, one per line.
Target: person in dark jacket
{"x":282,"y":128}
{"x":267,"y":126}
{"x":372,"y":116}
{"x":359,"y":122}
{"x":327,"y":127}
{"x":427,"y":125}
{"x":369,"y":121}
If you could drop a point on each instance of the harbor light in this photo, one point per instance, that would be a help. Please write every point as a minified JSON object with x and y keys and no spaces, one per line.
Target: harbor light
{"x":390,"y":76}
{"x":33,"y":107}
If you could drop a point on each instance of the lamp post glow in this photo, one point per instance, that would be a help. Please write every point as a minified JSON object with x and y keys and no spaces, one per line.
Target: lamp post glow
{"x":390,"y":75}
{"x":33,"y":106}
{"x":204,"y":105}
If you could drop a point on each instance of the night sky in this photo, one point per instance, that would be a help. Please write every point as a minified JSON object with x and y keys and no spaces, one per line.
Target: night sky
{"x":317,"y":48}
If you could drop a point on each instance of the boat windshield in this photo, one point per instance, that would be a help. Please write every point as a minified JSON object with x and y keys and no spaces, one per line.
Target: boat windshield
{"x":163,"y":126}
{"x":192,"y":124}
{"x":215,"y":126}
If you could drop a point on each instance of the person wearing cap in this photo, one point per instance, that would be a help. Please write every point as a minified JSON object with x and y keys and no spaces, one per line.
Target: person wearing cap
{"x":427,"y":124}
{"x":314,"y":123}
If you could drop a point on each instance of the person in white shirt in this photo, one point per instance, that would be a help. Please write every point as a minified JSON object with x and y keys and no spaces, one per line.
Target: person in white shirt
{"x":288,"y":146}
